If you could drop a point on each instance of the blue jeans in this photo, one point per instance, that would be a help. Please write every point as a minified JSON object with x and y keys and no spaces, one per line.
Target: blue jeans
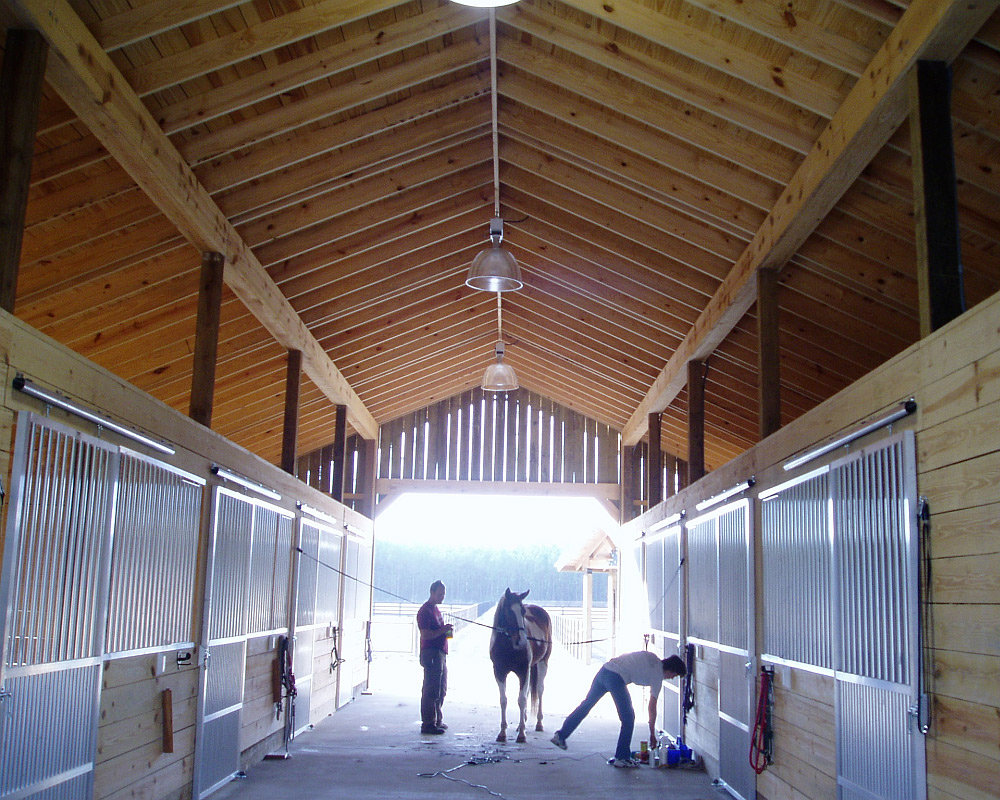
{"x":435,"y":686}
{"x":606,"y":681}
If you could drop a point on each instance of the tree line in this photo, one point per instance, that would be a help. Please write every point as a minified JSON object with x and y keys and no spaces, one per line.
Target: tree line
{"x":476,"y":576}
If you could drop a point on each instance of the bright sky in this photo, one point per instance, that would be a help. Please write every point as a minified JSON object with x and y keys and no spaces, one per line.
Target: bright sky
{"x":495,"y":521}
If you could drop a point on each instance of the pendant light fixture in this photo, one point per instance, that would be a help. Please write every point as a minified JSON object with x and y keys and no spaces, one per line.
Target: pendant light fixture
{"x":494,"y":269}
{"x":499,"y":377}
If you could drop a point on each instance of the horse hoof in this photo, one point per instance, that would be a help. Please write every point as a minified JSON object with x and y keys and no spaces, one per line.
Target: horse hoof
{"x":501,"y":737}
{"x":539,"y":727}
{"x":521,"y":738}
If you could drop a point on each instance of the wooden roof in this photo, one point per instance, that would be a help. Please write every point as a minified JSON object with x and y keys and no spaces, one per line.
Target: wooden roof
{"x":652,"y":156}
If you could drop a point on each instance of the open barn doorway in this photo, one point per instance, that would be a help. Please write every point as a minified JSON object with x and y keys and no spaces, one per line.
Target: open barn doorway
{"x":479,"y":545}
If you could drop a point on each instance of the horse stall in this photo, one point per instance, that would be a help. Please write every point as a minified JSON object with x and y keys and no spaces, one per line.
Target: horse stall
{"x":152,"y":577}
{"x":840,"y":568}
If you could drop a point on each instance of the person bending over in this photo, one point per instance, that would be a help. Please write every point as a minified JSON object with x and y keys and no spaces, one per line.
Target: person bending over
{"x":641,"y":668}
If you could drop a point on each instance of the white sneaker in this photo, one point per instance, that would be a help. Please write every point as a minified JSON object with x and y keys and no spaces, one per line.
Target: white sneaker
{"x":558,"y":741}
{"x":625,"y":763}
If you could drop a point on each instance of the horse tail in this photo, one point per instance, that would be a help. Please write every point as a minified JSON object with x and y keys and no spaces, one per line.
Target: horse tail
{"x":533,"y":685}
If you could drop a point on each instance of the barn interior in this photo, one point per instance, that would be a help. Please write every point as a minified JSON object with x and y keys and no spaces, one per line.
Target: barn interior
{"x":748,"y":288}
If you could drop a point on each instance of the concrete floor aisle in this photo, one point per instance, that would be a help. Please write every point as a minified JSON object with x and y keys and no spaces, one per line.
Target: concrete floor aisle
{"x":373,"y":748}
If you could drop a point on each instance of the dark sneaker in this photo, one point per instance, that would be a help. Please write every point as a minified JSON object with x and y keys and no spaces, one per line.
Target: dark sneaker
{"x":442,"y":726}
{"x":558,"y":741}
{"x":431,"y":730}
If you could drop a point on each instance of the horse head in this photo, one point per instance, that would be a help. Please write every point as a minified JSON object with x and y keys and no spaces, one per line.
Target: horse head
{"x":510,"y":618}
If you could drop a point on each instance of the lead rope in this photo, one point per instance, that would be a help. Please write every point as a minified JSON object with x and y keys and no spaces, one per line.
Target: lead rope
{"x":762,"y":738}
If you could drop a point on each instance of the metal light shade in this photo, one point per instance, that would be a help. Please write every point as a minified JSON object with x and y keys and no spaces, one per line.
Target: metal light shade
{"x":494,"y":270}
{"x":499,"y":377}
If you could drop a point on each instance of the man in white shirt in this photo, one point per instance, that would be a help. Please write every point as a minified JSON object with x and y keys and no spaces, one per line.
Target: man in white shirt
{"x":641,"y":668}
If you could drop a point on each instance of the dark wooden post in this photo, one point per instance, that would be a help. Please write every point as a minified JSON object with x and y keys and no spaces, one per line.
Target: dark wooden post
{"x":628,"y":498}
{"x":339,"y":455}
{"x":20,"y":93}
{"x":768,"y":365}
{"x":367,"y":473}
{"x":206,"y":338}
{"x":654,"y":471}
{"x":696,"y":420}
{"x":290,"y":431}
{"x":939,"y":255}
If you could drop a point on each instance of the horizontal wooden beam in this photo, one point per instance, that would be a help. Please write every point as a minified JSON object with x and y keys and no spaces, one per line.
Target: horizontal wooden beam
{"x":600,"y":491}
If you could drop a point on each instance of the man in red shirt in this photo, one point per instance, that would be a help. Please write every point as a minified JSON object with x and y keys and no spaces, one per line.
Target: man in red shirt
{"x":434,"y":636}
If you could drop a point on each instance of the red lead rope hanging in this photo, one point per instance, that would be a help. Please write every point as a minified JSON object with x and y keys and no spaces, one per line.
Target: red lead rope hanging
{"x":761,"y":738}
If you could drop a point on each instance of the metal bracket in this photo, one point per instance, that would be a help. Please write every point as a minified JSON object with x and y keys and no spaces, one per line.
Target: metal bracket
{"x":921,"y":713}
{"x":5,"y":693}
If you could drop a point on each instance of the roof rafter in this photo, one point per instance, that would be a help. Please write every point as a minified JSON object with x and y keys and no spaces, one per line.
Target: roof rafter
{"x":97,"y":92}
{"x":870,"y":114}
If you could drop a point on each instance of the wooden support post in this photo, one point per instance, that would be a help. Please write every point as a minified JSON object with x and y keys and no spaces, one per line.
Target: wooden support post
{"x":939,"y":257}
{"x":696,"y":420}
{"x":654,"y":471}
{"x":768,"y":366}
{"x":628,"y":498}
{"x":206,"y":338}
{"x":167,"y":710}
{"x":339,"y":455}
{"x":588,"y":614}
{"x":20,"y":92}
{"x":290,"y":430}
{"x":366,"y":478}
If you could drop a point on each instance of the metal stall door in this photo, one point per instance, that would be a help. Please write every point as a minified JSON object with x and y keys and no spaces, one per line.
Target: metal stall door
{"x":223,"y":656}
{"x":664,"y":587}
{"x":326,"y":629}
{"x":721,"y":603}
{"x":880,"y":749}
{"x":355,"y":618}
{"x":54,"y":589}
{"x":737,"y":669}
{"x":315,"y":610}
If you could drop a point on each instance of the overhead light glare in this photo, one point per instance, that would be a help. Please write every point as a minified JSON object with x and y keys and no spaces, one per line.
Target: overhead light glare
{"x":485,"y":3}
{"x":246,"y":483}
{"x":666,"y":522}
{"x":51,"y":398}
{"x":906,"y":408}
{"x":718,"y":498}
{"x":320,"y":515}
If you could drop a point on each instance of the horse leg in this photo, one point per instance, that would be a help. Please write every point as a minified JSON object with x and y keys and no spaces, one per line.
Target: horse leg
{"x":541,"y":669}
{"x":522,"y":704}
{"x":502,"y":685}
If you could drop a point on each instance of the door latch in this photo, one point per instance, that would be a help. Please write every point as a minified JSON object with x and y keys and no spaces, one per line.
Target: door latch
{"x":5,"y":693}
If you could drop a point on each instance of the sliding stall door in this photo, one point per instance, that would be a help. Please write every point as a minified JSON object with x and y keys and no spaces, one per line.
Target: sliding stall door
{"x":54,"y":592}
{"x":355,"y":617}
{"x":664,"y":596}
{"x":721,"y":605}
{"x":880,"y":750}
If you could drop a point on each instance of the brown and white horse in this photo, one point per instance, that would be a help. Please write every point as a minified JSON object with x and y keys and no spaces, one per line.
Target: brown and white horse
{"x":521,"y":643}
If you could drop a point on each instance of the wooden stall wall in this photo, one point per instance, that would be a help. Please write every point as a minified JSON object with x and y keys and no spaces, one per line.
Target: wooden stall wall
{"x":954,"y":375}
{"x":148,"y":715}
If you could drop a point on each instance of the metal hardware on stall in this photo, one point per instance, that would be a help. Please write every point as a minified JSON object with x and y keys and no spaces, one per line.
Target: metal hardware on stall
{"x":688,"y":702}
{"x":921,"y":710}
{"x":283,"y":691}
{"x":762,"y":738}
